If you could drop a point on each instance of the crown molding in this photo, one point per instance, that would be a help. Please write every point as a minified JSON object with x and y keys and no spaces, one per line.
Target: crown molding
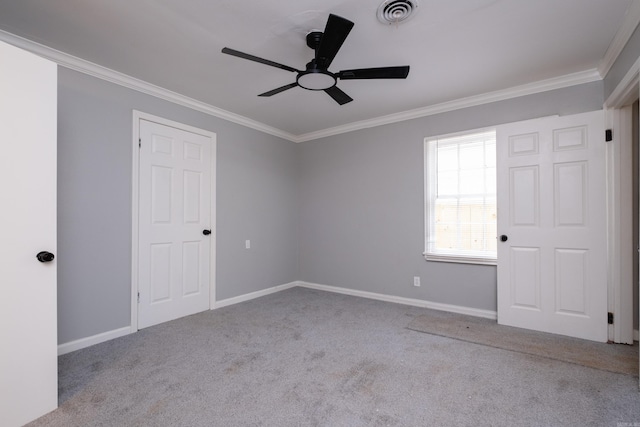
{"x":472,"y":101}
{"x":627,"y":90}
{"x":95,"y":70}
{"x":629,"y":25}
{"x":98,"y":71}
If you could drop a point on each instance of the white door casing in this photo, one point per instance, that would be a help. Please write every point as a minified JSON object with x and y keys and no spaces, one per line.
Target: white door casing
{"x":174,"y":210}
{"x":28,"y":307}
{"x":620,"y":221}
{"x":552,"y":270}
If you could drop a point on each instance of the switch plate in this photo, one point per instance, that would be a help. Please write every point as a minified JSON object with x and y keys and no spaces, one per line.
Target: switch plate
{"x":416,"y":281}
{"x":247,"y":244}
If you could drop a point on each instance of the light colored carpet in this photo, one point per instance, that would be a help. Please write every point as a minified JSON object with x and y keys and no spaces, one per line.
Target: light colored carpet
{"x":303,"y":357}
{"x":608,"y":357}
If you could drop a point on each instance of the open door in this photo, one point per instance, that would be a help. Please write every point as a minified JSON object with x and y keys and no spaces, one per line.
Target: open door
{"x":552,"y":249}
{"x":28,"y":306}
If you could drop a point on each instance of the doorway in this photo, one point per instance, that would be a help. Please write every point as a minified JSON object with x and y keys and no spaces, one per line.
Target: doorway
{"x":173,"y":257}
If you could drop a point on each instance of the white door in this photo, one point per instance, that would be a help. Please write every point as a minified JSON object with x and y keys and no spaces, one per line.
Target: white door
{"x":174,"y":223}
{"x":28,"y":306}
{"x":552,"y":269}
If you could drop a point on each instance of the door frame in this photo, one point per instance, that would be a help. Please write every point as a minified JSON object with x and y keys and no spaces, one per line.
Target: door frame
{"x":135,"y":197}
{"x":620,"y":221}
{"x":618,"y":116}
{"x":619,"y":209}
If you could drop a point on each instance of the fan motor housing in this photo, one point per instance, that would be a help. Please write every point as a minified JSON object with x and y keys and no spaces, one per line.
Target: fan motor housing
{"x":313,"y":39}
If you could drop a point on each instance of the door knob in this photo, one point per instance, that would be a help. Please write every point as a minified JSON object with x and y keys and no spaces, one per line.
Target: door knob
{"x":504,"y":238}
{"x":206,"y":232}
{"x":45,"y":256}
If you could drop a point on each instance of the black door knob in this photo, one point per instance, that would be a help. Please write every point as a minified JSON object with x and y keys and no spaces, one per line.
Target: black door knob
{"x":206,"y":232}
{"x":504,"y":238}
{"x":45,"y":256}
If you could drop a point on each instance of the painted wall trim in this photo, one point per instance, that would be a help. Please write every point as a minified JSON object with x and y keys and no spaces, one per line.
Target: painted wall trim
{"x":629,"y":24}
{"x":626,"y":91}
{"x":98,"y":71}
{"x":253,"y":295}
{"x":93,"y":340}
{"x":95,"y":70}
{"x":472,"y":101}
{"x":117,"y":333}
{"x":619,"y":220}
{"x":487,"y":314}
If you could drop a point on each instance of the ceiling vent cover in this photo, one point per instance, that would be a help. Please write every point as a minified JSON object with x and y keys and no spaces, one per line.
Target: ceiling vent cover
{"x":396,"y":11}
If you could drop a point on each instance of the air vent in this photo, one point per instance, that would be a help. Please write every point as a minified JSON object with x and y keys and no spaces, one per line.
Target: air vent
{"x":396,"y":11}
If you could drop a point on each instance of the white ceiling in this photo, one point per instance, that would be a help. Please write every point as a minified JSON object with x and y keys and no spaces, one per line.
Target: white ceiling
{"x":456,"y":49}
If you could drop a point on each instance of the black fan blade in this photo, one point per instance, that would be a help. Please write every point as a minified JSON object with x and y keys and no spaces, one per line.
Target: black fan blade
{"x":339,"y":96}
{"x":278,"y":90}
{"x":256,"y":59}
{"x":375,"y":73}
{"x":335,"y":33}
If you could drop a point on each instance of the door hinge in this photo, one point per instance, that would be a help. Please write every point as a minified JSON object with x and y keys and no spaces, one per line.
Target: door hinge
{"x":139,"y":142}
{"x":610,"y":318}
{"x":138,"y":297}
{"x":608,"y":135}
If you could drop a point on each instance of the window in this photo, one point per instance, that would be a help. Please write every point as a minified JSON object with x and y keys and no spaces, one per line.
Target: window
{"x":460,"y":198}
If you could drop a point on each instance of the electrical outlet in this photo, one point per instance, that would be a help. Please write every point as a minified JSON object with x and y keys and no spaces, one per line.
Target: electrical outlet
{"x":416,"y":281}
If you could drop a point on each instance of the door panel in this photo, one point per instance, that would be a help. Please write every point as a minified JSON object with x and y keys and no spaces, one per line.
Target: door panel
{"x":525,"y":287}
{"x":524,"y":196}
{"x":552,"y":268}
{"x":28,"y":307}
{"x":571,"y":281}
{"x":570,"y":194}
{"x":174,"y":209}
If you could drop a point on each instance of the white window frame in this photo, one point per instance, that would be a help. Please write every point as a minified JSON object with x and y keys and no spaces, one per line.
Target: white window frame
{"x":430,"y":186}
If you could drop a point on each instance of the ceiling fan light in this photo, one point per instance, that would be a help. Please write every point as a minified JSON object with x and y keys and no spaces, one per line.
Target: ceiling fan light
{"x":316,"y":80}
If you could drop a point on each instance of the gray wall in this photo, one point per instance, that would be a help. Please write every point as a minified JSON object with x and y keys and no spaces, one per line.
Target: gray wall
{"x":256,"y":199}
{"x":344,"y":210}
{"x":361,"y":202}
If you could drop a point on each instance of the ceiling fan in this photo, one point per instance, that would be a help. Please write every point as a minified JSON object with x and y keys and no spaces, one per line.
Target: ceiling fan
{"x":316,"y":75}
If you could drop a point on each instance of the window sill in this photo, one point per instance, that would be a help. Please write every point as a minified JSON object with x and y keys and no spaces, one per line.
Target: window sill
{"x":460,"y":259}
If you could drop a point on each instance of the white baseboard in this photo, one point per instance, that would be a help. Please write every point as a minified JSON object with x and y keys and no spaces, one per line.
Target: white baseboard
{"x":92,"y":340}
{"x":253,"y":295}
{"x":487,"y":314}
{"x":116,"y":333}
